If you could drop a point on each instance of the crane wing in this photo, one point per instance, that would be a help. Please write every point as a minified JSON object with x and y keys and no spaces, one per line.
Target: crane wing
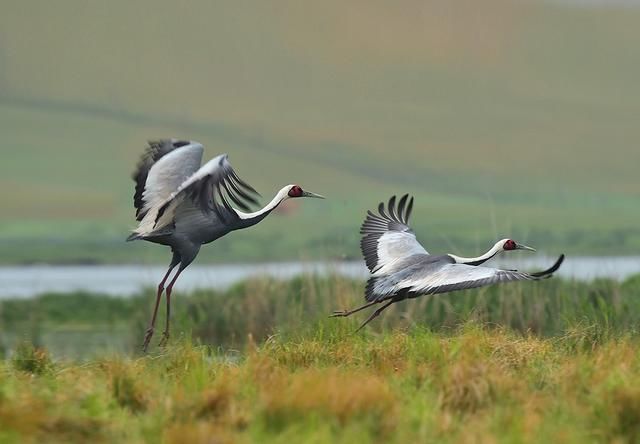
{"x":164,"y":166}
{"x":387,"y":237}
{"x":443,"y":278}
{"x":210,"y":189}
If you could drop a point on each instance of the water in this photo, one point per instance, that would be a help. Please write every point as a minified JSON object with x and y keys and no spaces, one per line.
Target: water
{"x":126,"y":280}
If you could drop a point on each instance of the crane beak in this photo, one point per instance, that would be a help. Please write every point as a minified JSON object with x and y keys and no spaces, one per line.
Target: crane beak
{"x":310,"y":194}
{"x":524,"y":247}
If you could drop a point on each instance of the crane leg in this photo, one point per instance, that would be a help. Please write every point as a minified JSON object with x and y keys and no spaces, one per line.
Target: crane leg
{"x":375,"y":314}
{"x":342,"y":313}
{"x":149,"y":333}
{"x":165,"y":333}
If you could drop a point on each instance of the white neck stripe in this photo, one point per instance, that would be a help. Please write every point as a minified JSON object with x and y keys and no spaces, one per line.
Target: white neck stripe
{"x":282,"y":195}
{"x":497,"y":248}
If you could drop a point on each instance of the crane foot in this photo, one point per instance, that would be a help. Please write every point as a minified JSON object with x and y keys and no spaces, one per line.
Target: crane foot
{"x":147,"y":338}
{"x":339,"y":313}
{"x":165,"y":339}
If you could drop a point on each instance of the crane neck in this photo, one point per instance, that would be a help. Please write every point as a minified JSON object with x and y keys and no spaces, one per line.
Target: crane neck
{"x":497,"y":248}
{"x":257,"y":216}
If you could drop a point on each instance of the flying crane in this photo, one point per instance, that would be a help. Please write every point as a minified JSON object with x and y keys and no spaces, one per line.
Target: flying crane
{"x":184,"y":205}
{"x":401,"y":268}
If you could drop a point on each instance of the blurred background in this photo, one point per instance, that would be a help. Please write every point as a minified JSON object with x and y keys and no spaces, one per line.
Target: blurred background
{"x":507,"y":119}
{"x":503,"y":118}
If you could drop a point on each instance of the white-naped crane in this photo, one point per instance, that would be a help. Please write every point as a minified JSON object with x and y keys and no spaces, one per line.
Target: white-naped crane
{"x":401,"y":268}
{"x":184,"y":205}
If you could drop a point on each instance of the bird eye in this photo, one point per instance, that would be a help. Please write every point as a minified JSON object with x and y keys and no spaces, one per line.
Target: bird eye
{"x":295,"y":191}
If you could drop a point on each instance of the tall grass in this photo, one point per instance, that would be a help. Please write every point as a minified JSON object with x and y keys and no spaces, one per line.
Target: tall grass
{"x":473,"y":384}
{"x":554,"y":362}
{"x":261,"y":308}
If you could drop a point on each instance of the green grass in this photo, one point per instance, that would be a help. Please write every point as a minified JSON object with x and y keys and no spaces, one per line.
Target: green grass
{"x":261,"y":362}
{"x":327,"y":385}
{"x":513,"y":119}
{"x":86,"y":325}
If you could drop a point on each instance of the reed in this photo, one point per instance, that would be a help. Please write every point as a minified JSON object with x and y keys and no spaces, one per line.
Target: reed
{"x":263,"y":308}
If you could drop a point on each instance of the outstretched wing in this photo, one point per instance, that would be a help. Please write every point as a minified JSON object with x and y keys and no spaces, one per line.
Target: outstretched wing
{"x":163,"y":167}
{"x":387,"y":237}
{"x":448,"y":277}
{"x":210,"y":189}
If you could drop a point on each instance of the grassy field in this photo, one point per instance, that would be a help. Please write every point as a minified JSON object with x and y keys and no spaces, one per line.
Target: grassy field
{"x":506,"y":119}
{"x":510,"y":119}
{"x":261,"y":362}
{"x":473,"y":384}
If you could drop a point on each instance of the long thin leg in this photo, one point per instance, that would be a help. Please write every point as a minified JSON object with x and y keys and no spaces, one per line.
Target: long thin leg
{"x":149,"y":333}
{"x":342,"y":313}
{"x":165,"y":334}
{"x":375,"y":314}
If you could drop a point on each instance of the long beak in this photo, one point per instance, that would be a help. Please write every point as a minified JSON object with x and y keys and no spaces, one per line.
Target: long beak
{"x":524,"y":247}
{"x":310,"y":194}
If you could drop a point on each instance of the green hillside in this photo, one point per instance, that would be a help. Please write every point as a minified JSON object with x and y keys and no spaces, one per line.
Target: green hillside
{"x":511,"y":119}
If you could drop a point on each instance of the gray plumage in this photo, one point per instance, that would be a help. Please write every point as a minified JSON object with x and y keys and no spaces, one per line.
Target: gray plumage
{"x":156,"y":150}
{"x":382,"y":227}
{"x":401,"y":268}
{"x":183,"y":205}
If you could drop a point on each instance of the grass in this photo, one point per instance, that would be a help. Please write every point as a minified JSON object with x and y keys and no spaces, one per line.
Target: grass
{"x":87,"y":325}
{"x":554,"y":361}
{"x":473,"y":384}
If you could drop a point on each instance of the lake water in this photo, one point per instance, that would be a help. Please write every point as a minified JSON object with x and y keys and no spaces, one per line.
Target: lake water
{"x":126,"y":280}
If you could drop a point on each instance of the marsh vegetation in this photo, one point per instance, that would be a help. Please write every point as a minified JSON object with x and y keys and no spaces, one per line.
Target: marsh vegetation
{"x":261,"y":362}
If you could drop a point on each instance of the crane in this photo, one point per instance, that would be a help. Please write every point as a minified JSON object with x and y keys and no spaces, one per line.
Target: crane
{"x":183,"y":205}
{"x":401,"y":268}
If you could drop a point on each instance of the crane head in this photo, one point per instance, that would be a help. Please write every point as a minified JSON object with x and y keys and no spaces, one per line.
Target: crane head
{"x":297,"y":191}
{"x":510,"y":245}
